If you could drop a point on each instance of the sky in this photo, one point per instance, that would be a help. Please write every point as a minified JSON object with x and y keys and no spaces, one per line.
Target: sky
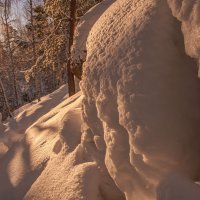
{"x":18,"y":11}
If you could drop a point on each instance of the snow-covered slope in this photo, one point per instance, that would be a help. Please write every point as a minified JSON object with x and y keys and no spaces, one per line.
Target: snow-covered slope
{"x":141,"y":95}
{"x":48,"y":160}
{"x":27,"y":115}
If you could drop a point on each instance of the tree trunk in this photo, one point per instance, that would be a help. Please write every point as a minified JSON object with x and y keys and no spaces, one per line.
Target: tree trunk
{"x":10,"y":53}
{"x":5,"y":98}
{"x":33,"y":42}
{"x":32,"y":30}
{"x":70,"y":75}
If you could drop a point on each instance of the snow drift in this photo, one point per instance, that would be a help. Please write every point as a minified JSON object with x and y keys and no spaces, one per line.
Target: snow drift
{"x":141,"y":95}
{"x":49,"y":160}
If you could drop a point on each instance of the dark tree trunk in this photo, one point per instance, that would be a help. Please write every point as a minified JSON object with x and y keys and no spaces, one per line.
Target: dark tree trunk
{"x":8,"y":43}
{"x":38,"y":76}
{"x":5,"y":98}
{"x":70,"y":75}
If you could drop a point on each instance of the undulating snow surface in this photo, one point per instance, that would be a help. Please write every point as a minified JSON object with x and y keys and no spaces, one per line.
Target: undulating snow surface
{"x":48,"y":160}
{"x":142,"y":96}
{"x":136,"y":123}
{"x":28,"y":114}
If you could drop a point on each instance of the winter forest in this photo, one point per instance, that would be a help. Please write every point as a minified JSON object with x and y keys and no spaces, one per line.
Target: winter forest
{"x":36,"y":38}
{"x":99,"y":100}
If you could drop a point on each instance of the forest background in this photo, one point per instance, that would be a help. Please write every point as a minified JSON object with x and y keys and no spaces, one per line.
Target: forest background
{"x":36,"y":39}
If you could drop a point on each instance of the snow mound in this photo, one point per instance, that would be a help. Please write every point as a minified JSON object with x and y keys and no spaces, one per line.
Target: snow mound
{"x":49,"y":160}
{"x":141,"y":95}
{"x":28,"y":114}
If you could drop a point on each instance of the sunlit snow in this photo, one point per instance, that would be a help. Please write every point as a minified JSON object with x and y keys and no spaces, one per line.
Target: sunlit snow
{"x":132,"y":132}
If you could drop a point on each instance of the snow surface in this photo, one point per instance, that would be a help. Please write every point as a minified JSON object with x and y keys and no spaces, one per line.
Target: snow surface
{"x":141,"y":95}
{"x":134,"y":128}
{"x":48,"y":159}
{"x":175,"y":187}
{"x":188,"y":12}
{"x":28,"y":114}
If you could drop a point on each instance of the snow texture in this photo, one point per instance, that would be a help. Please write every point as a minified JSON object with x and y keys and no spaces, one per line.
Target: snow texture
{"x":141,"y":96}
{"x":188,"y":12}
{"x":47,"y":160}
{"x":134,"y":129}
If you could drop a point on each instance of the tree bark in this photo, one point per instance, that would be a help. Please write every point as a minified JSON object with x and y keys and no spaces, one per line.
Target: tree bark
{"x":10,"y":52}
{"x":70,"y":75}
{"x":5,"y":98}
{"x":33,"y":42}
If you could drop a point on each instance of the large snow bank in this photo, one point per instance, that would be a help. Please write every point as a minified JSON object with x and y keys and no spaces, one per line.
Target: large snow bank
{"x":141,"y":95}
{"x":188,"y":12}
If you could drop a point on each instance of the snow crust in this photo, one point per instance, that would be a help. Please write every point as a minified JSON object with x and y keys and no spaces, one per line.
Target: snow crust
{"x":141,"y":96}
{"x":188,"y":12}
